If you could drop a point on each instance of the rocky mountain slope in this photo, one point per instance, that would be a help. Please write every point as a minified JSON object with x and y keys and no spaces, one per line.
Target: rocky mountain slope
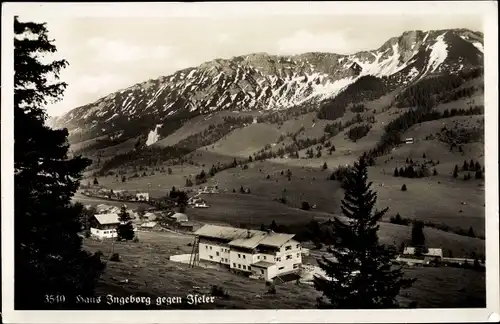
{"x":263,"y":82}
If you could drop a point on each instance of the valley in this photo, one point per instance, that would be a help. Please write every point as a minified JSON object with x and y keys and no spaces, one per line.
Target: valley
{"x":273,"y":132}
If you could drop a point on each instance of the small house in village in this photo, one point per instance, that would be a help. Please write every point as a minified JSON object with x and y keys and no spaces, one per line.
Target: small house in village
{"x":142,"y":196}
{"x":179,"y":217}
{"x":185,"y":226}
{"x":150,"y":226}
{"x":409,"y":256}
{"x":259,"y":254}
{"x":409,"y":140}
{"x":107,"y":209}
{"x":104,"y":225}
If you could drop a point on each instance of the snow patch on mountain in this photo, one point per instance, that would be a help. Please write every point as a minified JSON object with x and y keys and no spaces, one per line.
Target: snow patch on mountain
{"x":479,"y":46}
{"x":438,"y":54}
{"x":153,"y":136}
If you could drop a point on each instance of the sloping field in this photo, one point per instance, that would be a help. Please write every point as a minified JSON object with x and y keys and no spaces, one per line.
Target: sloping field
{"x":149,"y":273}
{"x":243,"y":142}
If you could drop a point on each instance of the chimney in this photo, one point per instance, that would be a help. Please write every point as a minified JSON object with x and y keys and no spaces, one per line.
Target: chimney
{"x":248,"y":234}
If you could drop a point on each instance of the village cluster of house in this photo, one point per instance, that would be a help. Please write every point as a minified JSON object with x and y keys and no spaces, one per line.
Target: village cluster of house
{"x":104,"y":223}
{"x":122,"y":195}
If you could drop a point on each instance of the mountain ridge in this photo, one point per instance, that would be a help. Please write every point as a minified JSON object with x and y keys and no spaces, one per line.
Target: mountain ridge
{"x":264,"y":82}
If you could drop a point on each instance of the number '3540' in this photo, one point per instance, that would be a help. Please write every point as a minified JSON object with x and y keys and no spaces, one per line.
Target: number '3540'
{"x":55,"y":299}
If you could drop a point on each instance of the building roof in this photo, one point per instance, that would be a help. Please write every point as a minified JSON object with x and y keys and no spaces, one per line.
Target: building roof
{"x":276,"y":239}
{"x":263,"y":264}
{"x":250,"y":239}
{"x":430,"y":252}
{"x":179,"y":217}
{"x":149,"y":224}
{"x":239,"y":236}
{"x":105,"y":219}
{"x":222,"y":232}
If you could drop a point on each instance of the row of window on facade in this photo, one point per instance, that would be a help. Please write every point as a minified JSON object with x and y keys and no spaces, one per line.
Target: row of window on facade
{"x":223,"y":249}
{"x":244,"y":267}
{"x":110,"y":231}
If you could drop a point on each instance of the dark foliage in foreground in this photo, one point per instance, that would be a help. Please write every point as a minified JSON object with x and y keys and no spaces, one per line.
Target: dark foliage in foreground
{"x":49,"y":259}
{"x":362,"y":267}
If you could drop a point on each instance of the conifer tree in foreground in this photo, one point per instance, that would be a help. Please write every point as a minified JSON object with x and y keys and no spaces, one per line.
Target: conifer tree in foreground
{"x":363,"y":275}
{"x":49,"y":259}
{"x":125,"y":230}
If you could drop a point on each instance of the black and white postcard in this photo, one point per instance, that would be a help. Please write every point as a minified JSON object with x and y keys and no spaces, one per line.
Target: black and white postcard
{"x":253,"y":162}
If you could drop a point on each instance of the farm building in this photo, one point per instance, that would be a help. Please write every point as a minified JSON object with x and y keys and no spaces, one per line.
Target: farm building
{"x":142,"y":196}
{"x":257,"y":253}
{"x":186,"y":226}
{"x":107,"y":209}
{"x":431,"y":254}
{"x":104,"y":225}
{"x":179,"y":217}
{"x":150,"y":226}
{"x":409,"y":140}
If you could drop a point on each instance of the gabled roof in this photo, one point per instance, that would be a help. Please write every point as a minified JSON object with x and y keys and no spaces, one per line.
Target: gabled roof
{"x":222,"y":232}
{"x":149,"y":224}
{"x":276,"y":239}
{"x":105,"y":219}
{"x":244,"y":238}
{"x":249,"y":239}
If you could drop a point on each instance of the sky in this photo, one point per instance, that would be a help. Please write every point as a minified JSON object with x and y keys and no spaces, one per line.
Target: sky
{"x":107,"y":53}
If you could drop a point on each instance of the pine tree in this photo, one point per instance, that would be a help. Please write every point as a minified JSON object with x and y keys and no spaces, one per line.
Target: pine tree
{"x":455,"y":171}
{"x":363,"y":273}
{"x":423,"y":156}
{"x":325,"y":166}
{"x":418,"y":238}
{"x":96,"y":183}
{"x":396,"y":173}
{"x":465,"y":167}
{"x":471,"y":232}
{"x":125,"y":230}
{"x":274,"y":226}
{"x":434,"y":172}
{"x":49,"y":258}
{"x":403,"y":187}
{"x":169,"y":171}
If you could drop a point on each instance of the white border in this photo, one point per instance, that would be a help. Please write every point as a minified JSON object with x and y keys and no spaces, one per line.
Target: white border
{"x":487,"y":9}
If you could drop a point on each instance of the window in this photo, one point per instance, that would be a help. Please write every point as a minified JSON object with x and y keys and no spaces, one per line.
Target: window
{"x":239,"y":266}
{"x":234,"y":265}
{"x":296,"y":265}
{"x":298,"y":246}
{"x":298,"y":255}
{"x":258,"y":257}
{"x":244,"y":256}
{"x":278,"y":259}
{"x":217,"y":253}
{"x":289,"y":247}
{"x":206,"y":247}
{"x":262,"y":271}
{"x":281,"y":268}
{"x":239,"y":255}
{"x":288,"y":257}
{"x":264,"y":257}
{"x":244,"y":267}
{"x":211,"y":257}
{"x":210,"y":248}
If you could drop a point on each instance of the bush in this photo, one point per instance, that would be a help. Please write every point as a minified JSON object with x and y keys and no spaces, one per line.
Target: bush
{"x":271,"y":288}
{"x":115,"y":257}
{"x":305,"y":206}
{"x":403,"y":187}
{"x":218,"y":291}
